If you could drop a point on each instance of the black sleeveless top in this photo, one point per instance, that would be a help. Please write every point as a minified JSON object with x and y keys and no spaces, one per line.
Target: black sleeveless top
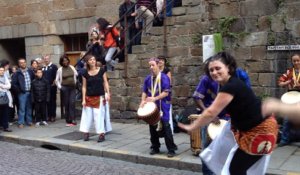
{"x":166,"y":70}
{"x":95,"y":83}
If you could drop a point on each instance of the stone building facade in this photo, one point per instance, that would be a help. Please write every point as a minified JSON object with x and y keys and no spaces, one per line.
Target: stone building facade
{"x":248,"y":26}
{"x":38,"y":27}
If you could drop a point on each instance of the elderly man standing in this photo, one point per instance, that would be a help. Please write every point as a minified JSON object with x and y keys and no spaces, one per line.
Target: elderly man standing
{"x":49,"y":73}
{"x":21,"y":83}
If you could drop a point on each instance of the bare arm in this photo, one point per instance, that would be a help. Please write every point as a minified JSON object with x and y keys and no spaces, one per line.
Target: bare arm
{"x":57,"y":79}
{"x":83,"y":90}
{"x":208,"y":115}
{"x":159,"y":97}
{"x":200,"y":104}
{"x":284,"y":83}
{"x":272,"y":105}
{"x":170,"y":76}
{"x":106,"y":86}
{"x":143,"y":100}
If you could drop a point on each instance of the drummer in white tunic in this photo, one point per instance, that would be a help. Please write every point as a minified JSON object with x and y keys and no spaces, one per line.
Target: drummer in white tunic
{"x":95,"y":100}
{"x":291,"y":81}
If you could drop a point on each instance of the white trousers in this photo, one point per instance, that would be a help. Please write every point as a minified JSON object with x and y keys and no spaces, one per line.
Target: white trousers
{"x":171,"y":120}
{"x":219,"y":153}
{"x":99,"y":116}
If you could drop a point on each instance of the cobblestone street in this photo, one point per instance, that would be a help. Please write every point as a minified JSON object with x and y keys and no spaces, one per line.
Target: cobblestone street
{"x":26,"y":160}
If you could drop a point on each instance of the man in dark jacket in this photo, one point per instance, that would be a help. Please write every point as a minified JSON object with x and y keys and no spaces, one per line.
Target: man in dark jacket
{"x":40,"y":96}
{"x":21,"y":83}
{"x":127,"y":10}
{"x":49,"y":73}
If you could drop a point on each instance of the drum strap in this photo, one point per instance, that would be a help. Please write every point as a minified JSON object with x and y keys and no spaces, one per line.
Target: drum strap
{"x":157,"y":82}
{"x":296,"y":78}
{"x":153,"y":88}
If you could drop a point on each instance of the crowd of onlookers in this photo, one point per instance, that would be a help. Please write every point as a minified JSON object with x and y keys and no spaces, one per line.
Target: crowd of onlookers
{"x":30,"y":92}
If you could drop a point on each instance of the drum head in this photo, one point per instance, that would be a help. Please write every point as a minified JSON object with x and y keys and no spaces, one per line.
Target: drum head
{"x":291,"y":97}
{"x":214,"y":130}
{"x":147,"y":109}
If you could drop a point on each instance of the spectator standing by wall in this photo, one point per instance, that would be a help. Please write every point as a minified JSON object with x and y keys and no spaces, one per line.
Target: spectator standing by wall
{"x":66,"y":78}
{"x":40,"y":96}
{"x":5,"y":64}
{"x":14,"y":109}
{"x":49,"y":73}
{"x":22,"y":85}
{"x":6,"y":99}
{"x":34,"y":65}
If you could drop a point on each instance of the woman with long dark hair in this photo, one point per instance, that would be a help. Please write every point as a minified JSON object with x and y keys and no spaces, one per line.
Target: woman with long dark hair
{"x":109,"y":35}
{"x":254,"y":133}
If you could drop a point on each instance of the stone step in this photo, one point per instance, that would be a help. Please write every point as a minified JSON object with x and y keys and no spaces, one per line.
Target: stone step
{"x":190,"y":2}
{"x":181,"y":20}
{"x":179,"y":11}
{"x":138,"y":49}
{"x":156,"y":31}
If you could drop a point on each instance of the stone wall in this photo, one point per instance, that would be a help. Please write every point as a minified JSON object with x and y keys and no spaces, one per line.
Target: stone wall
{"x":255,"y":25}
{"x":41,"y":22}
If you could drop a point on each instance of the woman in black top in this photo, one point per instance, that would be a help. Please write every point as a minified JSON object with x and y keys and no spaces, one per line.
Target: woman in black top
{"x":255,"y":134}
{"x":95,"y":98}
{"x":163,"y":67}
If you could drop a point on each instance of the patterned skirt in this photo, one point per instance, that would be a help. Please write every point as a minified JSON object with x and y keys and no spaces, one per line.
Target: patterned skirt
{"x":259,"y":140}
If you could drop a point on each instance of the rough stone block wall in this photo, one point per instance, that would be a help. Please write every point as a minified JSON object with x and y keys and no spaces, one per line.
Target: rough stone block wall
{"x":256,"y":24}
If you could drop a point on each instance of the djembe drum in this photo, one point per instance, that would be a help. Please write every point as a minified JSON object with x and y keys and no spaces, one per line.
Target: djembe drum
{"x":291,"y":97}
{"x":195,"y":136}
{"x":214,"y":130}
{"x":149,"y":113}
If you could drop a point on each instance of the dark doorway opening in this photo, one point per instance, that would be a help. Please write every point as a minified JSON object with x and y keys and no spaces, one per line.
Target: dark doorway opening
{"x":14,"y":48}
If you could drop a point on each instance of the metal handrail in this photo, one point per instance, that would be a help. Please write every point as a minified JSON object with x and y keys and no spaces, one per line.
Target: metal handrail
{"x":137,"y":34}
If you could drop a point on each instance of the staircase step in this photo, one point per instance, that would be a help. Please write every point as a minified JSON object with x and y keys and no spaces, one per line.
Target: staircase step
{"x":170,"y":21}
{"x":181,"y":20}
{"x":159,"y":30}
{"x":146,"y":39}
{"x":190,"y":2}
{"x":179,"y":11}
{"x":138,"y":49}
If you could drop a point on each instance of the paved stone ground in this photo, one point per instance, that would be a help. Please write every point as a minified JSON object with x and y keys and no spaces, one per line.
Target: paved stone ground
{"x":130,"y":142}
{"x":27,"y":160}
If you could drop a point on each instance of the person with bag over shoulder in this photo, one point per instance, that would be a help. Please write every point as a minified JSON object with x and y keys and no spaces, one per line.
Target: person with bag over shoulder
{"x":5,"y":100}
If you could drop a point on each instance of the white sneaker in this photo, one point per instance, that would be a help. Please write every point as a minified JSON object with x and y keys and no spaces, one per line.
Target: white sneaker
{"x":37,"y":124}
{"x":45,"y":123}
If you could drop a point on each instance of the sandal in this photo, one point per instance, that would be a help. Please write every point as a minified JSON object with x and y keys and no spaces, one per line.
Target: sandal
{"x":86,"y":137}
{"x":101,"y":138}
